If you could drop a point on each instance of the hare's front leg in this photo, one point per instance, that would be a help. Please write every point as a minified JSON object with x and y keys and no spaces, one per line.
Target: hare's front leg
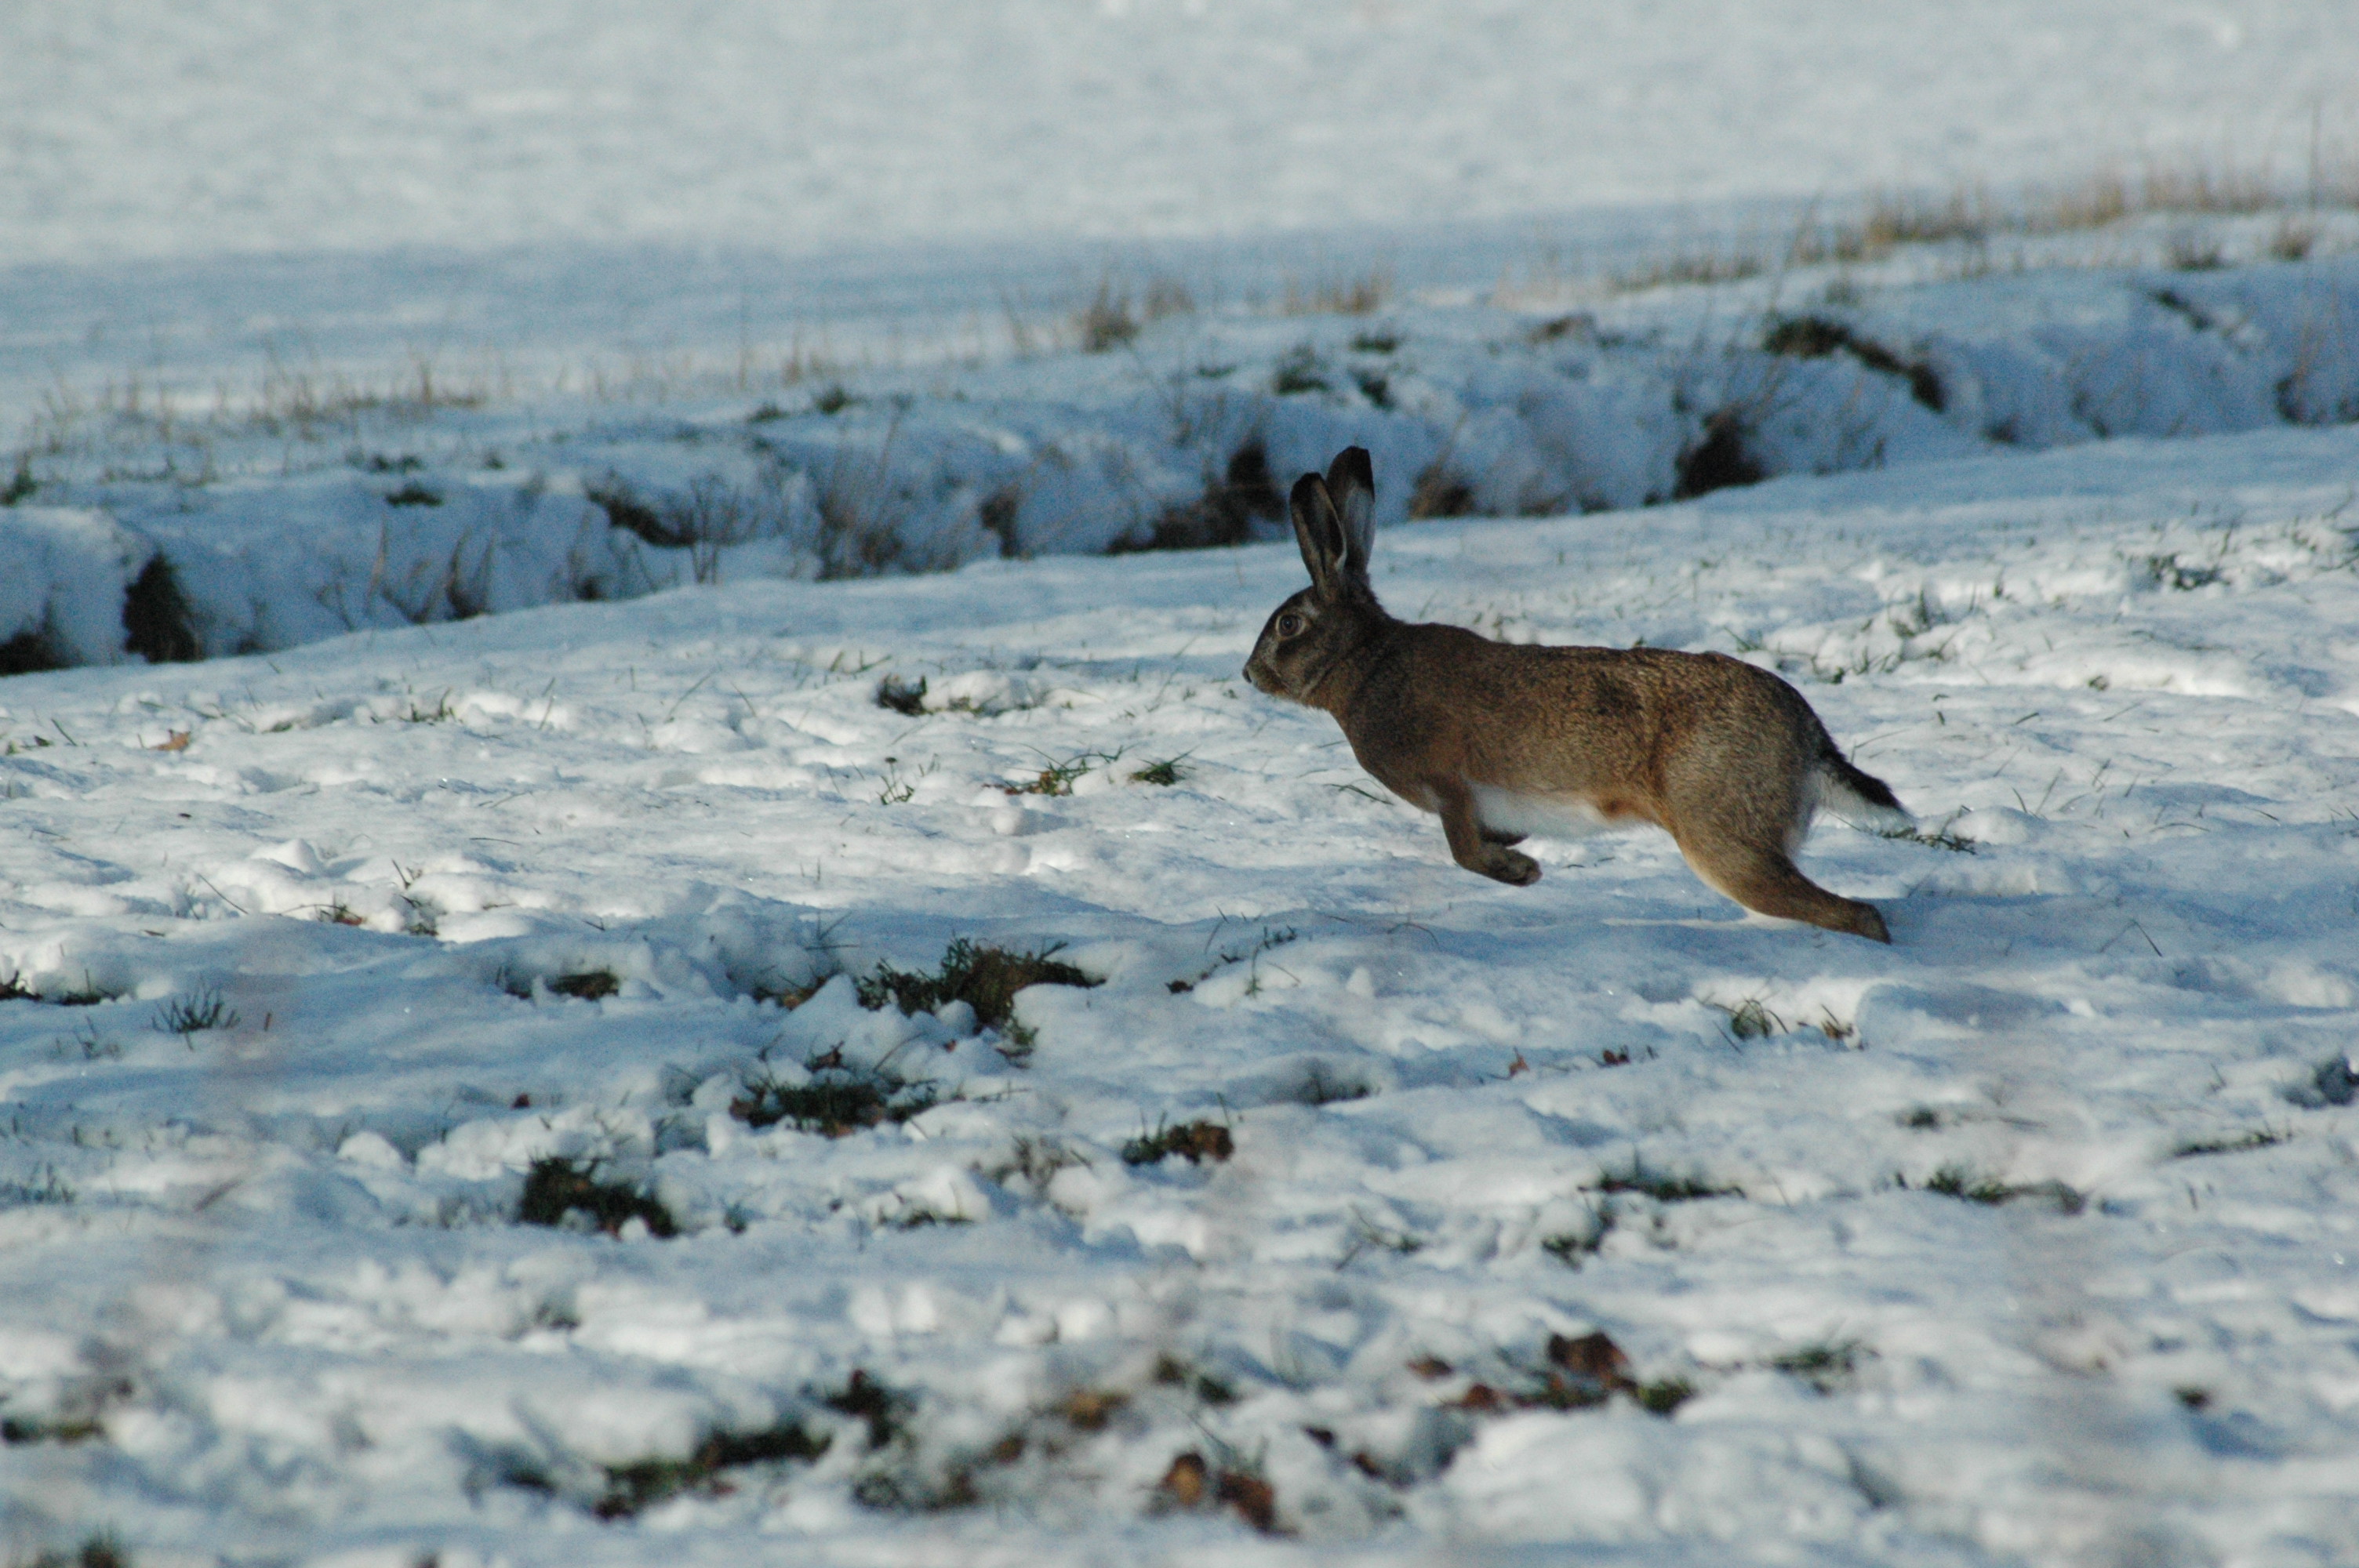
{"x":1471,"y":847}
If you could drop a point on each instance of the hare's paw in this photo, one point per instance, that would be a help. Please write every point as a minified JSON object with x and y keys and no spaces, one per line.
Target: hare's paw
{"x":1510,"y":866}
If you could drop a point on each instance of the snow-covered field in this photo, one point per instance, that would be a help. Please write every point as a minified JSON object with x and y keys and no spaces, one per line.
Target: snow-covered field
{"x":482,"y":1061}
{"x":269,"y":1270}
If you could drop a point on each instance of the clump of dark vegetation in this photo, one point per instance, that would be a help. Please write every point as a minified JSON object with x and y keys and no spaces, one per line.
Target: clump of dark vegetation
{"x":1440,"y":491}
{"x":835,"y":1099}
{"x":1817,"y":337}
{"x":1568,"y":1248}
{"x":413,"y":494}
{"x":65,"y":1428}
{"x":1297,"y":372}
{"x":2169,"y":571}
{"x":1375,"y":343}
{"x":21,"y":486}
{"x":632,"y":1488}
{"x":157,"y":624}
{"x":884,"y":1409}
{"x":1958,"y":1181}
{"x":984,"y":976}
{"x":1581,"y":1373}
{"x":1750,"y":1019}
{"x":1105,"y":323}
{"x":31,"y":651}
{"x":1944,"y":838}
{"x":1197,"y":1142}
{"x":2256,"y":1138}
{"x":1826,"y":1365}
{"x":556,"y":1186}
{"x":1224,"y":514}
{"x":590,"y":985}
{"x":1271,"y":937}
{"x":14,"y":989}
{"x":902,"y":696}
{"x":1171,"y":1372}
{"x":90,"y":993}
{"x":1718,"y":459}
{"x":98,"y":1549}
{"x":1662,"y":1188}
{"x":192,"y":1014}
{"x":1167,"y":773}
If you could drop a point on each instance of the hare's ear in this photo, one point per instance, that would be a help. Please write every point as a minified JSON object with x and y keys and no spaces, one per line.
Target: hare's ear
{"x":1352,"y":485}
{"x":1320,"y":531}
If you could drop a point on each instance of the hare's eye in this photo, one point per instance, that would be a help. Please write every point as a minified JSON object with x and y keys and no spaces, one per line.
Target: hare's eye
{"x":1288,"y":624}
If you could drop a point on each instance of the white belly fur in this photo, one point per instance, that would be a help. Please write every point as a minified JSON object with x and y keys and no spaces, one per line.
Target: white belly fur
{"x":1540,"y":816}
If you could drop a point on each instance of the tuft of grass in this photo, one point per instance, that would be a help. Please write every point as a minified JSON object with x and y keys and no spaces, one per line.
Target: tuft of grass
{"x":590,"y":985}
{"x":556,"y":1186}
{"x":1166,"y":773}
{"x":1938,"y":838}
{"x":1171,"y":1372}
{"x":836,"y":1100}
{"x":2256,"y":1138}
{"x":1959,"y":1182}
{"x":21,"y":486}
{"x":1440,"y":491}
{"x":1825,"y":1364}
{"x":1749,"y":1019}
{"x":1298,"y":372}
{"x":158,"y":623}
{"x":1271,"y":937}
{"x":1568,"y":1248}
{"x":884,"y":1409}
{"x":1245,"y":493}
{"x":1197,"y":1142}
{"x":60,"y":1429}
{"x":1107,"y":322}
{"x":632,"y":1488}
{"x":1720,"y":457}
{"x":902,"y":696}
{"x":336,"y":912}
{"x":413,"y":494}
{"x":1361,"y":296}
{"x":1818,"y":337}
{"x":99,"y":1548}
{"x":1375,"y":343}
{"x":90,"y":993}
{"x":1662,"y":1188}
{"x":984,"y":976}
{"x":190,"y":1014}
{"x":1056,"y":778}
{"x":14,"y":989}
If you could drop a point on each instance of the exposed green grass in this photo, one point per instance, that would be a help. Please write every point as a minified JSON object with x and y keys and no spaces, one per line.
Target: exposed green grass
{"x":633,"y":1487}
{"x":984,"y":976}
{"x":590,"y":985}
{"x":1659,"y":1187}
{"x":835,"y":1099}
{"x":2255,"y":1138}
{"x":556,"y":1186}
{"x":192,"y":1014}
{"x":1826,"y":1365}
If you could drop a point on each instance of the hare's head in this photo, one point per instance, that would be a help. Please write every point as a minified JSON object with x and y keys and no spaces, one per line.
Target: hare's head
{"x":1309,"y":636}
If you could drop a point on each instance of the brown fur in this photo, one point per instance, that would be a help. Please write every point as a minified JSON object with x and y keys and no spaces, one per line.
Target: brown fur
{"x":1726,"y":757}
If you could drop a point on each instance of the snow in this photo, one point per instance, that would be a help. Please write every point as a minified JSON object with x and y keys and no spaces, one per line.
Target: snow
{"x":644,"y":503}
{"x":278,"y":1257}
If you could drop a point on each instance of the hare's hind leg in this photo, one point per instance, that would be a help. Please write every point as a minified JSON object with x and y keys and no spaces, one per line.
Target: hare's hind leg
{"x":1474,"y":848}
{"x":1766,"y":882}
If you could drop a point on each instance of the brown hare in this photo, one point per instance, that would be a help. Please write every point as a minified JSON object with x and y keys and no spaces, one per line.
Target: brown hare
{"x":1505,"y":741}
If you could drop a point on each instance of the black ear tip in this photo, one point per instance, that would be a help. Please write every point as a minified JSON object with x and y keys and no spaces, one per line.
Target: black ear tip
{"x":1353,"y":463}
{"x":1308,"y":490}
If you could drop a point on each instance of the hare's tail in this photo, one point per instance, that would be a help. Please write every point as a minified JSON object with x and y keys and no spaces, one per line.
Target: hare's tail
{"x":1857,"y":797}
